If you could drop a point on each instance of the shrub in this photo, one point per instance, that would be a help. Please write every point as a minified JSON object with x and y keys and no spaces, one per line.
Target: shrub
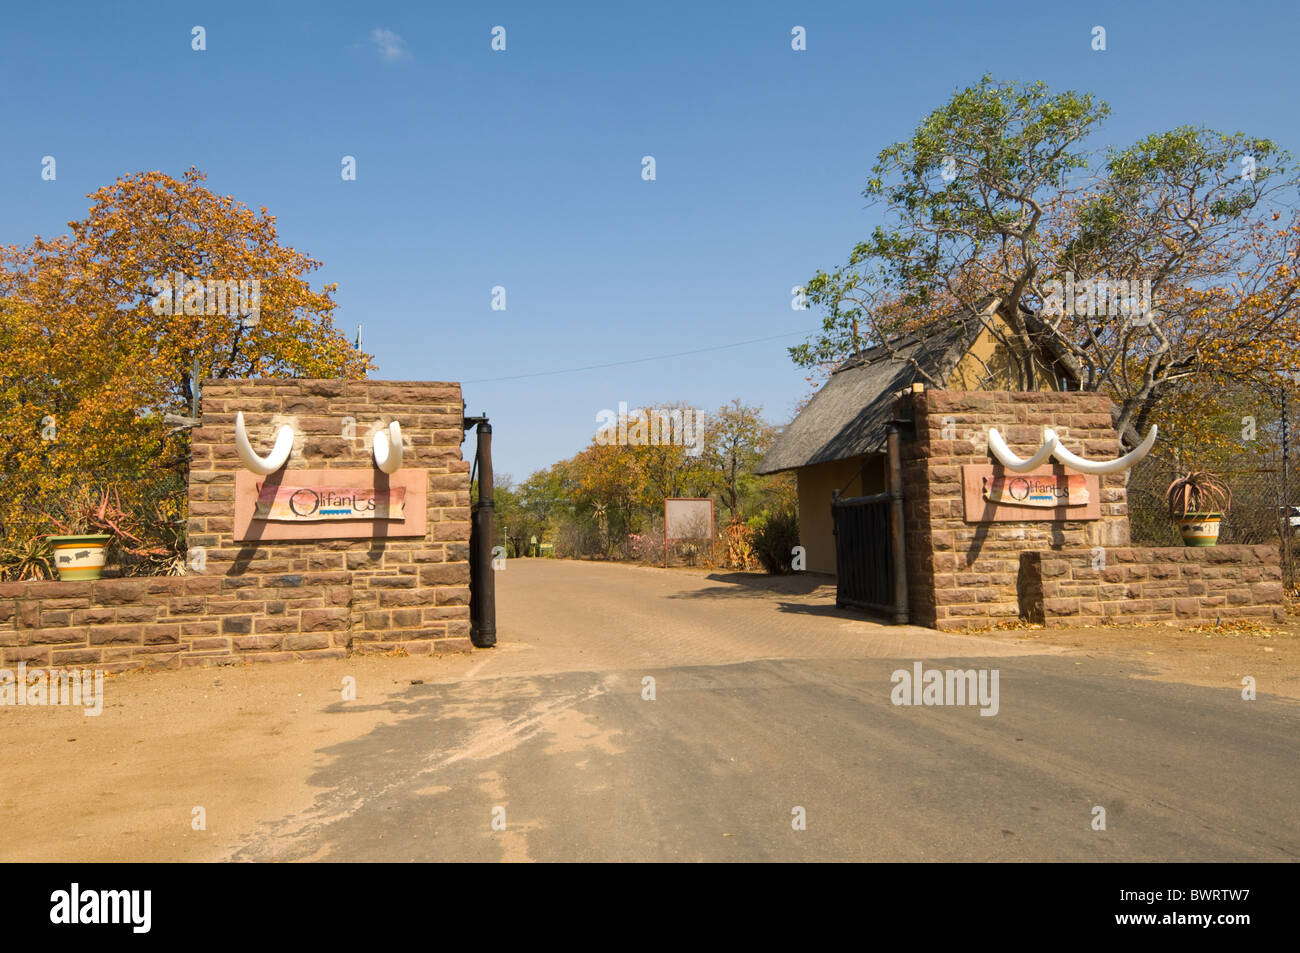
{"x":577,"y":539}
{"x":647,"y":547}
{"x":774,"y":536}
{"x":738,"y":546}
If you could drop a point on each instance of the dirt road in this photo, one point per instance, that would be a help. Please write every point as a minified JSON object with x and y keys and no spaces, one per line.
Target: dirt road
{"x":764,"y":702}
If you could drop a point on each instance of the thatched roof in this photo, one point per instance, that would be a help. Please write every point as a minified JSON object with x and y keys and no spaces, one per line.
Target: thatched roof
{"x":850,"y":415}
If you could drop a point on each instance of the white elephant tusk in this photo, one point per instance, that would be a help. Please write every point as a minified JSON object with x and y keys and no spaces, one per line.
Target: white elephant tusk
{"x":279,"y":453}
{"x":1108,"y":466}
{"x":388,"y":448}
{"x":999,"y":449}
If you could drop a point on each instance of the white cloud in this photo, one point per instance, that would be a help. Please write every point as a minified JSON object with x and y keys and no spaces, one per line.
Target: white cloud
{"x":392,"y":48}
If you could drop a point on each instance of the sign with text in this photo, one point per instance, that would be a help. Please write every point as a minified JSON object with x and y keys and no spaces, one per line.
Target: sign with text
{"x":992,"y":494}
{"x":296,"y":504}
{"x":330,"y":504}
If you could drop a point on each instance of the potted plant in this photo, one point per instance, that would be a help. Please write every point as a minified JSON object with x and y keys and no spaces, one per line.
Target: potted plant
{"x":98,"y":519}
{"x":1198,"y":501}
{"x":94,"y":519}
{"x":79,"y":551}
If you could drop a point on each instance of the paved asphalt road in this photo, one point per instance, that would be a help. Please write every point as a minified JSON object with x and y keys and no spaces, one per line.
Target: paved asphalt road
{"x":768,"y":701}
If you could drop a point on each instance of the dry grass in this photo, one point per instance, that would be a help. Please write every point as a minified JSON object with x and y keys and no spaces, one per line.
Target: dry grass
{"x":1239,"y":627}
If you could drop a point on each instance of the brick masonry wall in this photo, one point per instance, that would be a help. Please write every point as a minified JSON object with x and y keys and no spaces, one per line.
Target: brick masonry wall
{"x":963,"y":575}
{"x":1147,"y":584}
{"x":278,"y":599}
{"x":170,"y":621}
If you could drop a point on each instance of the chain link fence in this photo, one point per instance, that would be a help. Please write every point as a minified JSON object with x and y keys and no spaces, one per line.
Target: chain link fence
{"x":1265,"y":502}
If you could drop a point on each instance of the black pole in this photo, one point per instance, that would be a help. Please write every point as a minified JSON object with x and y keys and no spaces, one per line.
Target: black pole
{"x":1288,"y":562}
{"x":897,"y":545}
{"x":482,"y":598}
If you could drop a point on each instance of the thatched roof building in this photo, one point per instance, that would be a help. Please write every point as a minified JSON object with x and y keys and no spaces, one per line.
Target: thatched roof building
{"x":836,"y":443}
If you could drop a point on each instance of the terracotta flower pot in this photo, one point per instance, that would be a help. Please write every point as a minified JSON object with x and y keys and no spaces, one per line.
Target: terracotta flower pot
{"x":1200,"y":529}
{"x":79,"y":557}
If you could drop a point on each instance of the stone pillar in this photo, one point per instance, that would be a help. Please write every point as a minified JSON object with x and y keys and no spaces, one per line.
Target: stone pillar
{"x":323,"y":596}
{"x":961,"y":574}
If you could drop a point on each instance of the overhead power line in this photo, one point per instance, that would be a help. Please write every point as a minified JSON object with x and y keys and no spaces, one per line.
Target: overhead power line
{"x":642,"y":360}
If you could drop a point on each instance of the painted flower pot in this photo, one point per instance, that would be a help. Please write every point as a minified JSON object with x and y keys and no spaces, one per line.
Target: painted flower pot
{"x":1200,"y":529}
{"x":79,"y":557}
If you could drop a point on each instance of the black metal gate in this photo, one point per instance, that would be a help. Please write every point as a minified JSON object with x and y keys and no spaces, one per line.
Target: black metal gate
{"x":863,"y":545}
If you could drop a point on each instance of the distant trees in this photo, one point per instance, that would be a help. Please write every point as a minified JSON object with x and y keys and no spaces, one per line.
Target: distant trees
{"x":737,"y":441}
{"x":603,"y":500}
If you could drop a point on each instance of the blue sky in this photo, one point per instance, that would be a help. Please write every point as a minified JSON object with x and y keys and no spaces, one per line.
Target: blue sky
{"x":522,"y":168}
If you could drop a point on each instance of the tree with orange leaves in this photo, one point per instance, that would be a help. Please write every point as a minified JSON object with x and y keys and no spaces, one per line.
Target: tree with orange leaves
{"x":96,"y":345}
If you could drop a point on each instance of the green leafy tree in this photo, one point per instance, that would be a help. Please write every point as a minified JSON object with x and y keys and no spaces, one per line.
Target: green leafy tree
{"x":967,"y":199}
{"x":994,"y":204}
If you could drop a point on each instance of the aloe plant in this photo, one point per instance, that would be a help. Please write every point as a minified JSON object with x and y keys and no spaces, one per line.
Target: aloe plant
{"x":30,"y":559}
{"x":100,"y":512}
{"x":1197,"y":492}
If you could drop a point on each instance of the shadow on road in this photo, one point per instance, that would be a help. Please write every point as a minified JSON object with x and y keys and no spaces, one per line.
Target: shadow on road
{"x":750,"y":585}
{"x":830,"y":609}
{"x":761,"y":584}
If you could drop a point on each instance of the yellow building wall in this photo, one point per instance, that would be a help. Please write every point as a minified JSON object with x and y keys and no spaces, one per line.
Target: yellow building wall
{"x":987,"y":366}
{"x":815,"y":485}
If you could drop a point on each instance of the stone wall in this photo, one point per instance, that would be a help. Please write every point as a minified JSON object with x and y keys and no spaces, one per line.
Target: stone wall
{"x":171,"y":621}
{"x":963,"y":574}
{"x":278,"y":599}
{"x":1148,"y":584}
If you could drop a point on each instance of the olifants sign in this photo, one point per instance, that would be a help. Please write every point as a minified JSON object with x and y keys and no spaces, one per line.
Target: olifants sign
{"x":272,"y":503}
{"x":1035,"y":488}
